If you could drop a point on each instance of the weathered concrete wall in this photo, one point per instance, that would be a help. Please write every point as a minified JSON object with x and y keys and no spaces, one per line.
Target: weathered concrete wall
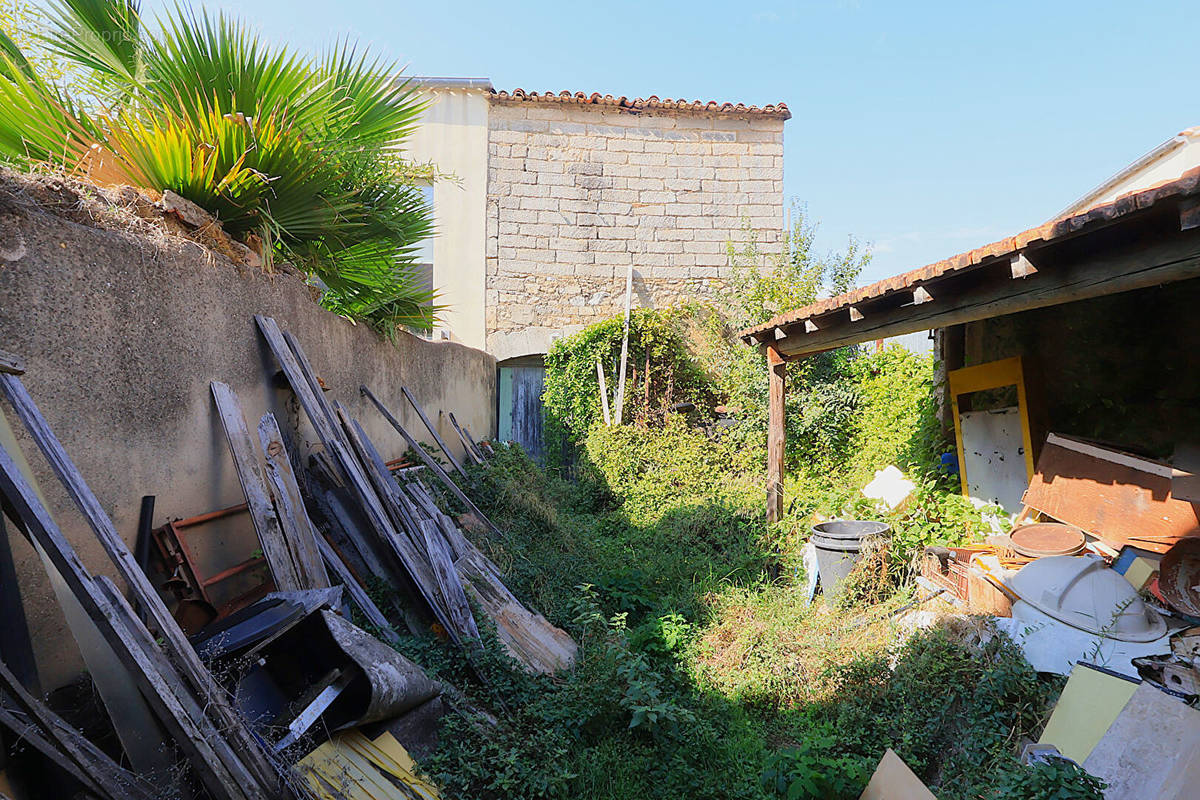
{"x":122,"y":334}
{"x":577,"y":193}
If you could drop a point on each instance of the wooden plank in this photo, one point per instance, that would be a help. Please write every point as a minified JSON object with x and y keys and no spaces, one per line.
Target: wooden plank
{"x":483,"y":450}
{"x":262,"y":513}
{"x":300,"y":535}
{"x":433,"y":431}
{"x":28,"y":733}
{"x":358,"y":595}
{"x":1113,"y":498}
{"x":197,"y":737}
{"x":776,"y":432}
{"x":467,"y":444}
{"x":1143,"y":262}
{"x":449,"y":584}
{"x":607,"y":414}
{"x":435,"y":467}
{"x":11,"y":364}
{"x":314,"y":405}
{"x":526,"y":635}
{"x":410,"y":555}
{"x":256,"y":774}
{"x":101,"y":773}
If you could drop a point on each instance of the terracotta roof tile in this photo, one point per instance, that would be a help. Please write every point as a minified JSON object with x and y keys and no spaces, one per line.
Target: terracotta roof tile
{"x":1187,"y":184}
{"x":777,"y":110}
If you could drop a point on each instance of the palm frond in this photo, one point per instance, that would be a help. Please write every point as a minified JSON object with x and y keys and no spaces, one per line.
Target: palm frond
{"x":304,"y":152}
{"x":104,"y":36}
{"x":14,"y":59}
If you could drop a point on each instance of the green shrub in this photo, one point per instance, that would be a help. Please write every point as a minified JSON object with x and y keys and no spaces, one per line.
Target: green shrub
{"x":298,"y":155}
{"x":1055,"y":780}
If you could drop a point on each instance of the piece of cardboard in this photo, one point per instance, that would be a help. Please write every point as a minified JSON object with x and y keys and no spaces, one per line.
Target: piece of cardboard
{"x":893,"y":780}
{"x":1088,"y":705}
{"x":1149,"y":750}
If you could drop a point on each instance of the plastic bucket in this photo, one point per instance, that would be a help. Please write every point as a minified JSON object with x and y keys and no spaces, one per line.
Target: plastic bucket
{"x":839,"y":546}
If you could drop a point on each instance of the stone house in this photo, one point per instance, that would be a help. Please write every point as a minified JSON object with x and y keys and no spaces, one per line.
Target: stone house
{"x":555,"y":197}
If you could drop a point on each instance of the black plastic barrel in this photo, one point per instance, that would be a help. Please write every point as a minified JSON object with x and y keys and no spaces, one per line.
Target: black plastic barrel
{"x":839,"y":544}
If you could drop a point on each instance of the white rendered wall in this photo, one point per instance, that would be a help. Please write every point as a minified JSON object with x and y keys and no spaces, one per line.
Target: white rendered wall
{"x":453,"y":134}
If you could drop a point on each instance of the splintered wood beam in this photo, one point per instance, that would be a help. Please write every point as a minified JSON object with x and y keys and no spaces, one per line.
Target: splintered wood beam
{"x":1021,"y":266}
{"x":300,"y":534}
{"x":469,"y":446}
{"x":855,"y":314}
{"x":11,"y":364}
{"x":921,"y":295}
{"x":67,"y":747}
{"x":275,"y":548}
{"x":430,"y":462}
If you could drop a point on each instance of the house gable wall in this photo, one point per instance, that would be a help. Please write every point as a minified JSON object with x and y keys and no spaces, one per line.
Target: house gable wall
{"x":576,"y":194}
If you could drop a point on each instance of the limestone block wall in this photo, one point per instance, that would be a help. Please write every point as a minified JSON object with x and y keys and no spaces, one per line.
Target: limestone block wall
{"x":577,"y":193}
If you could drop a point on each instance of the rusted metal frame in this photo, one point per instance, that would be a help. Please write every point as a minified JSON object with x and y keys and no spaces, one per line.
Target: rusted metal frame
{"x":174,"y":546}
{"x":430,"y":462}
{"x":211,"y":516}
{"x":433,"y":431}
{"x":255,"y":775}
{"x":776,"y":431}
{"x":211,"y":758}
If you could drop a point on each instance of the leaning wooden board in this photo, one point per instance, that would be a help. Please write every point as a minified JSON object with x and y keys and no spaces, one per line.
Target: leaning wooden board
{"x":1117,"y":497}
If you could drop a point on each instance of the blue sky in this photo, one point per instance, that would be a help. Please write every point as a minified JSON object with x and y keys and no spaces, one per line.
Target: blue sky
{"x":924,"y":128}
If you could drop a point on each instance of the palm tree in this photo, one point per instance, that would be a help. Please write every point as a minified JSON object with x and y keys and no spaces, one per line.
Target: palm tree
{"x":306,"y":154}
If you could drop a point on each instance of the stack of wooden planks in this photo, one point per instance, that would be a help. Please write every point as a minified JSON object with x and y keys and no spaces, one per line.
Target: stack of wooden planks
{"x":190,"y":711}
{"x":419,"y":549}
{"x":1117,"y":497}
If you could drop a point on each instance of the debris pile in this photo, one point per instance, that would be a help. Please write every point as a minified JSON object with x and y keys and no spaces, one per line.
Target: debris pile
{"x":1103,"y":587}
{"x":256,"y":685}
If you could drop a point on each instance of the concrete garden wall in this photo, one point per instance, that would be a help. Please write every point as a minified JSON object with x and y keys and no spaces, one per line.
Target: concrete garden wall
{"x":123,"y":324}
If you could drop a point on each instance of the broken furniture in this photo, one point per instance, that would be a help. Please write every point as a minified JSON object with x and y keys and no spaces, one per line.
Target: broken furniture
{"x":303,"y":664}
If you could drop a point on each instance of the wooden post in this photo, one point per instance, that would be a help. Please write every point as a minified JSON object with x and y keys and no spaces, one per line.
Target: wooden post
{"x":777,"y":372}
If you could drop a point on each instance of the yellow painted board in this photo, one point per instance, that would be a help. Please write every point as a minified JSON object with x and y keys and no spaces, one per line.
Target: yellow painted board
{"x":352,"y":767}
{"x":992,"y":375}
{"x":1140,"y":572}
{"x":893,"y":780}
{"x":1090,"y":703}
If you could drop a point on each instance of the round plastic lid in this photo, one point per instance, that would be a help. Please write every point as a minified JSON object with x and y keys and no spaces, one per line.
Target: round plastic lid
{"x":1082,"y":592}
